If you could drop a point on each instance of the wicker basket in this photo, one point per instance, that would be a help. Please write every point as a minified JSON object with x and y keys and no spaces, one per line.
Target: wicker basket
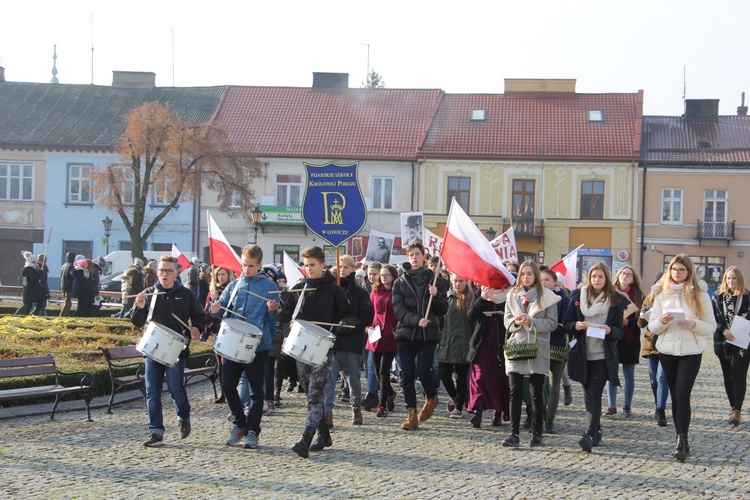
{"x":522,"y":350}
{"x":559,"y":352}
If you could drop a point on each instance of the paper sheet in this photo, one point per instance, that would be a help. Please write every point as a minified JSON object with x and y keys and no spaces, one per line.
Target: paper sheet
{"x":596,"y":332}
{"x":677,"y":314}
{"x":631,"y":309}
{"x":373,"y":334}
{"x":741,"y":331}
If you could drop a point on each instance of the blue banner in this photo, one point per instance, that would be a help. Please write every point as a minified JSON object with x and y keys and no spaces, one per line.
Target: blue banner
{"x":333,"y":207}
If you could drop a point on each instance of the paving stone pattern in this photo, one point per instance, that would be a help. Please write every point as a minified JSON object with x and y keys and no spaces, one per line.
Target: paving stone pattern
{"x":444,"y":458}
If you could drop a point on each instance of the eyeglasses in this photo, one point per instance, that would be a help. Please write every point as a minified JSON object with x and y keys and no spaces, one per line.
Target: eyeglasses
{"x":679,"y":270}
{"x":165,"y":271}
{"x":629,"y":275}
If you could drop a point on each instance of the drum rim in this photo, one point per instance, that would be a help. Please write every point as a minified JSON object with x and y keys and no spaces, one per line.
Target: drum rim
{"x":166,"y":330}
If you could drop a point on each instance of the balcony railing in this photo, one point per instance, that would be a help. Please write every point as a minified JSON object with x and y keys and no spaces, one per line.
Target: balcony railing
{"x":715,"y":231}
{"x":525,"y":226}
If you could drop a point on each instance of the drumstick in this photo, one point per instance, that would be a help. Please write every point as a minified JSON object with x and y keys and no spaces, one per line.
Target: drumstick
{"x":181,"y":322}
{"x":256,"y":295}
{"x":230,"y":311}
{"x":146,"y":294}
{"x":297,"y":290}
{"x":331,"y":324}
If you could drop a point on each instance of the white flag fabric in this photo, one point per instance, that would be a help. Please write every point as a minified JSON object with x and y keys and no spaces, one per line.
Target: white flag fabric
{"x":568,"y":267}
{"x":292,"y":271}
{"x":505,"y":246}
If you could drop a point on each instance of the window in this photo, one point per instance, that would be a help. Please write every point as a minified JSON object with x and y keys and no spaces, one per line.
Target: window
{"x":671,"y":206}
{"x":291,"y":250}
{"x":714,"y":207}
{"x":162,"y":194}
{"x":592,"y":200}
{"x":523,"y":206}
{"x":79,"y":184}
{"x":127,"y":245}
{"x":288,"y":189}
{"x":382,"y":193}
{"x":127,"y":185}
{"x":478,"y":115}
{"x":161,"y":247}
{"x":84,"y":248}
{"x":16,"y":181}
{"x":460,"y":188}
{"x":595,"y":115}
{"x":234,"y":201}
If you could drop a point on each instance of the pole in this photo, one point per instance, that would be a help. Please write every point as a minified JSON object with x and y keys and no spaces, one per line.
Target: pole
{"x":434,"y":280}
{"x":338,"y":274}
{"x":46,"y":247}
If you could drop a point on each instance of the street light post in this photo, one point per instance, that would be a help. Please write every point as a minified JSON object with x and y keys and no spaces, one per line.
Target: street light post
{"x":107,"y":229}
{"x":256,"y":213}
{"x":491,"y":233}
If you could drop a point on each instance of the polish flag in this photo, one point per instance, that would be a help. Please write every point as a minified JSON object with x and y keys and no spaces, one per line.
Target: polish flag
{"x":467,"y":252}
{"x":293,"y":272}
{"x":567,"y":266}
{"x":222,"y":253}
{"x":180,"y":257}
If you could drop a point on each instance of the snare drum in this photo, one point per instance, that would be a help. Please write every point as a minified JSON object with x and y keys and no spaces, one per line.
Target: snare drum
{"x":308,"y":343}
{"x":161,"y":344}
{"x":237,"y":340}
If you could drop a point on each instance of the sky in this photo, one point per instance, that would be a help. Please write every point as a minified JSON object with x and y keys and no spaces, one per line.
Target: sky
{"x":666,"y":48}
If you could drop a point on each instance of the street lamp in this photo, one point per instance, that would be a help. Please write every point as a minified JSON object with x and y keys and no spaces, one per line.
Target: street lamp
{"x":256,"y":213}
{"x":491,"y":233}
{"x":107,"y":229}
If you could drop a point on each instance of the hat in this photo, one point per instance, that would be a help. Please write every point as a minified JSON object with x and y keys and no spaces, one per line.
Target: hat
{"x":40,"y":258}
{"x":271,"y":272}
{"x":101,"y":262}
{"x":195,"y":260}
{"x":280,"y":276}
{"x":80,"y":257}
{"x":30,"y":258}
{"x":361,"y":273}
{"x":137,"y":262}
{"x":413,"y":221}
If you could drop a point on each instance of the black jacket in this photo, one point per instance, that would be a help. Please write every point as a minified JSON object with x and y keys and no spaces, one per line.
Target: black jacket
{"x":359,"y":301}
{"x":410,"y":298}
{"x":722,"y":348}
{"x":32,"y":287}
{"x":482,"y":322}
{"x":327,"y":303}
{"x":66,"y":273}
{"x":178,"y":300}
{"x":577,"y":362}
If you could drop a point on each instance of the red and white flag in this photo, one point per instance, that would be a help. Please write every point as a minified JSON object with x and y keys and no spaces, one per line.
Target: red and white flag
{"x":293,"y":272}
{"x":180,"y":257}
{"x":222,"y":253}
{"x":567,"y":266}
{"x":467,"y":252}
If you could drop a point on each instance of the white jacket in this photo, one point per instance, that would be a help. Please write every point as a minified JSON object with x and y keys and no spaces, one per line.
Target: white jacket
{"x":673,"y":339}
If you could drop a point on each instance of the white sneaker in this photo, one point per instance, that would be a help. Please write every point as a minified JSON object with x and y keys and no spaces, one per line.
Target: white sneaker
{"x":451,"y":405}
{"x":456,"y":414}
{"x":267,"y":407}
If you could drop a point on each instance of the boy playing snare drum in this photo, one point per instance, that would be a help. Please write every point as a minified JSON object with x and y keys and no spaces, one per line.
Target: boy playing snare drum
{"x":242,"y":299}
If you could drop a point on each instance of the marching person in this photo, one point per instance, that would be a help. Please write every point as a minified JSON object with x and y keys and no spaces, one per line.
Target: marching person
{"x":657,"y":378}
{"x":66,"y":283}
{"x":383,"y":351}
{"x":160,"y":304}
{"x":32,"y":287}
{"x":558,"y":340}
{"x":592,"y":361}
{"x":240,"y":296}
{"x":731,"y":301}
{"x":530,"y":316}
{"x":682,"y":340}
{"x":418,"y":333}
{"x":327,"y":303}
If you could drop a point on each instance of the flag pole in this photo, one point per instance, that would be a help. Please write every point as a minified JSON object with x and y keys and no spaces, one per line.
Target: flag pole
{"x":434,"y":280}
{"x":46,"y":247}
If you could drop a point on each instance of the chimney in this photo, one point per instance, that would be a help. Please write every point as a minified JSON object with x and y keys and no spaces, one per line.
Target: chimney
{"x":330,"y":80}
{"x":2,"y":74}
{"x":702,"y":110}
{"x":741,"y":110}
{"x":133,"y":79}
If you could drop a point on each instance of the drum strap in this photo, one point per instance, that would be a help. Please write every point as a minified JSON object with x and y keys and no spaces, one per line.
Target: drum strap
{"x":151,"y":307}
{"x":232,"y":298}
{"x":299,"y":302}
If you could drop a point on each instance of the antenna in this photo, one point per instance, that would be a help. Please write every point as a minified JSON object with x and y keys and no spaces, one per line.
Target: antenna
{"x":171,"y":31}
{"x":91,"y":20}
{"x":368,"y":61}
{"x":684,"y":83}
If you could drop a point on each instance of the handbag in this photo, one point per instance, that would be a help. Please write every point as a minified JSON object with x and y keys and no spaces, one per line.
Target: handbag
{"x":522,"y":350}
{"x":559,"y":352}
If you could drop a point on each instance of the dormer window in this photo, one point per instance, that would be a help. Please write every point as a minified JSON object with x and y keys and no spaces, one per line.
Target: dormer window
{"x":478,"y":115}
{"x":704,"y":144}
{"x":595,"y":115}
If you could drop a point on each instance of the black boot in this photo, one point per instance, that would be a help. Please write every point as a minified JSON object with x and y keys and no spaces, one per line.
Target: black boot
{"x":324,"y":438}
{"x":302,"y":448}
{"x":661,"y":418}
{"x":679,"y":452}
{"x":476,"y":420}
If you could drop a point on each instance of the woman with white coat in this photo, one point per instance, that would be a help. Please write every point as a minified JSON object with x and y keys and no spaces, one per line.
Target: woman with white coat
{"x":530,"y":316}
{"x":682,"y":320}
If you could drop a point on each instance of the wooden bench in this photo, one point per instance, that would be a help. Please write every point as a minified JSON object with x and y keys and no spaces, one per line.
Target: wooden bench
{"x":40,"y":367}
{"x":127,"y":368}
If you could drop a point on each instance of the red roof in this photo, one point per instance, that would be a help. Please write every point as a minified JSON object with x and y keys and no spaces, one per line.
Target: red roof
{"x":387,"y":124}
{"x":529,"y":125}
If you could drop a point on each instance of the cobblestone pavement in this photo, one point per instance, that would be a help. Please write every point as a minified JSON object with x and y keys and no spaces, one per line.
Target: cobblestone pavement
{"x":72,"y":458}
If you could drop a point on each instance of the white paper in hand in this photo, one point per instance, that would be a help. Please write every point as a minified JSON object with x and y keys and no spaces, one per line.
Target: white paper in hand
{"x":741,"y":331}
{"x":677,"y":314}
{"x":596,"y":332}
{"x":373,"y":334}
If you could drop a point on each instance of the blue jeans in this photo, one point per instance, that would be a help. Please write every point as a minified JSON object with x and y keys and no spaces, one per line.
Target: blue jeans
{"x":243,"y":389}
{"x":417,"y":358}
{"x":349,"y":363}
{"x":372,"y":378}
{"x":658,"y":379}
{"x":628,"y":375}
{"x":175,"y":383}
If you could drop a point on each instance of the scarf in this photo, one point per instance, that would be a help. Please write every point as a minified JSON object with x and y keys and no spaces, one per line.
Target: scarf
{"x":599,"y":307}
{"x":526,"y":297}
{"x":498,"y":296}
{"x":729,"y":312}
